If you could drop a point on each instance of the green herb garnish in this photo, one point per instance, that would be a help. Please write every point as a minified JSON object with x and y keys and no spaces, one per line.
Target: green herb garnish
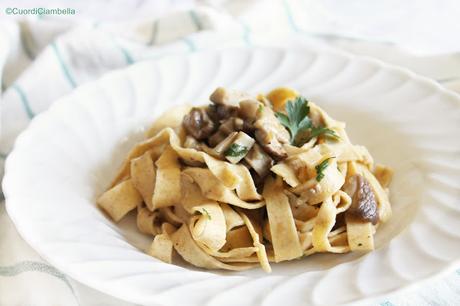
{"x":207,"y":213}
{"x":320,"y":169}
{"x":236,"y":150}
{"x":321,"y":130}
{"x":260,"y":109}
{"x":296,"y":120}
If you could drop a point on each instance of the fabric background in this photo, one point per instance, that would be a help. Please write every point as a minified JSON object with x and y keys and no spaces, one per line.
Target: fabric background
{"x":45,"y":57}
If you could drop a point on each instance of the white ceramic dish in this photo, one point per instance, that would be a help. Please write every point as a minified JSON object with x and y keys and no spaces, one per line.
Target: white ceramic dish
{"x":69,"y":154}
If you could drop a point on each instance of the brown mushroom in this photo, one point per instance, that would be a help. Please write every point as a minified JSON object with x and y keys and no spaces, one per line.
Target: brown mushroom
{"x":226,"y":96}
{"x":363,"y":205}
{"x":226,"y":128}
{"x":249,"y":109}
{"x":258,"y":160}
{"x":271,"y":134}
{"x":221,"y":112}
{"x":270,"y":144}
{"x":198,"y":124}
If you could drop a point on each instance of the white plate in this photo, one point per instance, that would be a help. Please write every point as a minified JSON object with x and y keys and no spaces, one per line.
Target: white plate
{"x":69,"y":154}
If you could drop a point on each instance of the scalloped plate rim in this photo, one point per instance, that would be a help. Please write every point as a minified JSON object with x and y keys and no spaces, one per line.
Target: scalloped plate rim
{"x":86,"y":279}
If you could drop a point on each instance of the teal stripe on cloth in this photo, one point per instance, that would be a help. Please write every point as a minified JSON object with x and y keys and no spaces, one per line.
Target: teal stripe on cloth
{"x":386,"y":304}
{"x":246,"y":33}
{"x":24,"y":100}
{"x":190,"y":44}
{"x":128,"y":58}
{"x":290,"y":17}
{"x":35,"y":266}
{"x":64,"y":67}
{"x":196,"y":20}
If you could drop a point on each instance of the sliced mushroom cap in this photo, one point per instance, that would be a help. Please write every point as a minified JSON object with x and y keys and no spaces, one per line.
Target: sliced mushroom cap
{"x":222,"y":146}
{"x":220,"y":112}
{"x":258,"y":160}
{"x":226,"y":128}
{"x":198,"y":124}
{"x":270,"y":144}
{"x":271,"y":134}
{"x":249,"y":109}
{"x":226,"y":96}
{"x":267,"y":121}
{"x":363,"y":205}
{"x":244,"y":143}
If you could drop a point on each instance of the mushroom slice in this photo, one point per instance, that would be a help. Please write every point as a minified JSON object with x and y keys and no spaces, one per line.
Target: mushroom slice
{"x":225,"y":129}
{"x":226,"y":96}
{"x":220,"y":112}
{"x":249,"y":109}
{"x":224,"y":144}
{"x":267,"y":121}
{"x":239,"y":148}
{"x":258,"y":160}
{"x":271,"y":145}
{"x":363,"y":205}
{"x":198,"y":124}
{"x":270,"y":134}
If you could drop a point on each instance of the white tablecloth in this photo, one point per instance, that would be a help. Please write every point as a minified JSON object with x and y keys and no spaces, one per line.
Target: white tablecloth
{"x":45,"y":57}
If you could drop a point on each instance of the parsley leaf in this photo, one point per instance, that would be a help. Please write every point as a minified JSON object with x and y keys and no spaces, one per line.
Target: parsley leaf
{"x":321,"y":130}
{"x":236,"y":150}
{"x":320,"y":168}
{"x":296,"y":120}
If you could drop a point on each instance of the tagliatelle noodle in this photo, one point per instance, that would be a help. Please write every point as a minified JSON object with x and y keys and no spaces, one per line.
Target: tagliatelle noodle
{"x":120,"y":200}
{"x":261,"y":251}
{"x":212,"y":189}
{"x":284,"y":238}
{"x":360,"y":234}
{"x":324,"y":222}
{"x":143,"y":177}
{"x":208,"y":227}
{"x":167,"y":190}
{"x":148,"y":221}
{"x":185,"y":245}
{"x":210,"y":212}
{"x":162,"y":248}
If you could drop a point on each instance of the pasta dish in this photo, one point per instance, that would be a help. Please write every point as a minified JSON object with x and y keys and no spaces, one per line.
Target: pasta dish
{"x":248,"y":180}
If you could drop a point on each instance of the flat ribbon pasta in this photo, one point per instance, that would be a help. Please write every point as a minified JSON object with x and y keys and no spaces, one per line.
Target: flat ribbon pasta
{"x":167,"y":191}
{"x":232,"y":176}
{"x":360,"y":234}
{"x":120,"y":200}
{"x":148,"y":221}
{"x":203,"y":203}
{"x":286,"y":244}
{"x":208,"y":228}
{"x":211,"y":189}
{"x":324,"y":222}
{"x":143,"y":176}
{"x":185,"y":245}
